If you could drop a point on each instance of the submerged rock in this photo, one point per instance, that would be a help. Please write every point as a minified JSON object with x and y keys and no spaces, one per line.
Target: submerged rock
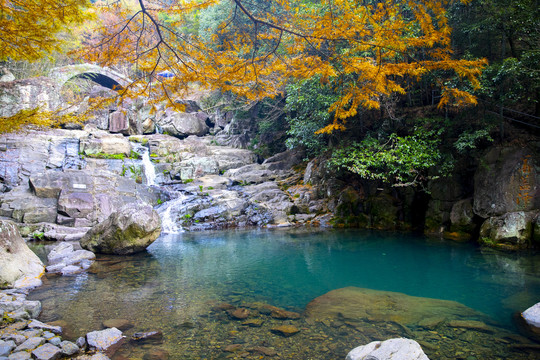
{"x":399,"y":349}
{"x":358,"y":304}
{"x":19,"y":266}
{"x":65,"y":260}
{"x":285,"y":330}
{"x":128,"y":230}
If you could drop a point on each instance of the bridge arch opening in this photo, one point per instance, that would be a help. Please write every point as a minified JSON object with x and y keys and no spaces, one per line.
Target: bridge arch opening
{"x":100,"y":79}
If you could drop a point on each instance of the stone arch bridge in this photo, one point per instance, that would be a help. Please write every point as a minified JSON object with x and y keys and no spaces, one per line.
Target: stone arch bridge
{"x":104,"y":76}
{"x":44,"y":92}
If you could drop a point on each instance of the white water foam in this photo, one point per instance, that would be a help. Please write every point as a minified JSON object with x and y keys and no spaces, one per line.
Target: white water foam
{"x":169,"y":215}
{"x":148,"y":167}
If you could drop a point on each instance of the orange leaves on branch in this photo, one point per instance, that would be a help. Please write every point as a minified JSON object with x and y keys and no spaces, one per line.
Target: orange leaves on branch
{"x":28,"y":29}
{"x":370,"y":48}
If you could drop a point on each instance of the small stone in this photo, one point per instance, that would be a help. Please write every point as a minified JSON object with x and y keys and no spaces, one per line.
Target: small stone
{"x":239,"y":314}
{"x":47,"y":352}
{"x":68,"y":348}
{"x":32,"y":333}
{"x":120,"y":324}
{"x":48,"y":335}
{"x":233,"y":348}
{"x":19,"y":339}
{"x":81,"y":342}
{"x":284,"y":314}
{"x":285,"y":330}
{"x":55,"y":341}
{"x":35,"y":324}
{"x":151,"y":336}
{"x":21,"y":355}
{"x":105,"y":340}
{"x":267,"y":351}
{"x":30,"y":344}
{"x":70,"y":269}
{"x":6,"y":347}
{"x":253,"y":322}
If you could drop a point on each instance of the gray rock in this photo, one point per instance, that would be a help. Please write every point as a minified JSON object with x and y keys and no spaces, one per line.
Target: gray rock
{"x":506,"y":181}
{"x":461,"y":216}
{"x":81,"y":342}
{"x":47,"y":352}
{"x":65,"y":260}
{"x":30,"y":344}
{"x":402,"y":349}
{"x":104,"y":340}
{"x":532,"y":316}
{"x":6,"y":347}
{"x":56,"y":341}
{"x":101,"y":142}
{"x":69,"y":348}
{"x":509,"y":231}
{"x":48,"y":335}
{"x":35,"y":324}
{"x":19,"y":266}
{"x":21,"y":355}
{"x":129,"y":230}
{"x":118,"y":121}
{"x":183,"y":124}
{"x":33,"y":308}
{"x":75,"y":204}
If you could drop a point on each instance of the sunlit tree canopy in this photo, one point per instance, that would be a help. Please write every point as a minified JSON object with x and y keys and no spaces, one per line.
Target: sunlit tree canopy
{"x":365,"y":49}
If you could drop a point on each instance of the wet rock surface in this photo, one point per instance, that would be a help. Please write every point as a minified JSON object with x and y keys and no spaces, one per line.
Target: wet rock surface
{"x":129,"y":230}
{"x":19,"y":266}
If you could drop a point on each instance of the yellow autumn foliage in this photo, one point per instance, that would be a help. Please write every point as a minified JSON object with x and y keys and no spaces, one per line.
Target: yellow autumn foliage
{"x":372,"y":44}
{"x":28,"y":28}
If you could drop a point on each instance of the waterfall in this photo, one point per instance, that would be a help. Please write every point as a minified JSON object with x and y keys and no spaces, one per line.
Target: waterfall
{"x":148,"y":168}
{"x":169,"y":215}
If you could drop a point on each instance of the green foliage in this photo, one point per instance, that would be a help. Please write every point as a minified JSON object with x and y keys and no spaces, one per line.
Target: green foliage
{"x":307,"y":111}
{"x":469,"y":140}
{"x":38,"y":236}
{"x":159,"y":201}
{"x":101,"y":155}
{"x":398,"y":160}
{"x":187,"y":181}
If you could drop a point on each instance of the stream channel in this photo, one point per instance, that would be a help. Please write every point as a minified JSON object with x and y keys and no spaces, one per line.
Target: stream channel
{"x":180,"y":285}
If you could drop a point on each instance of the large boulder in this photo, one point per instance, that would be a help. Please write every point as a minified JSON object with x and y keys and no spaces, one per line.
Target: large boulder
{"x":510,"y":231}
{"x":354,"y":304}
{"x":506,"y":181}
{"x":183,"y":125}
{"x":18,"y":264}
{"x":402,"y":349}
{"x":530,"y":321}
{"x":102,"y":142}
{"x":129,"y":230}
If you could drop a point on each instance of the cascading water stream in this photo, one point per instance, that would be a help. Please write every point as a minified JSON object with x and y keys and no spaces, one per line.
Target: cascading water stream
{"x":169,"y":215}
{"x":148,"y":167}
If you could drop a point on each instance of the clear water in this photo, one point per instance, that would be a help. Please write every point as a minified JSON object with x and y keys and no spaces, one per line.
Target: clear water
{"x":174,"y":286}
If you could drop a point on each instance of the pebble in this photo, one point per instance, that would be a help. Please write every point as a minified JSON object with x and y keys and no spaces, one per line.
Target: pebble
{"x":55,"y":341}
{"x":69,"y":348}
{"x":285,"y":330}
